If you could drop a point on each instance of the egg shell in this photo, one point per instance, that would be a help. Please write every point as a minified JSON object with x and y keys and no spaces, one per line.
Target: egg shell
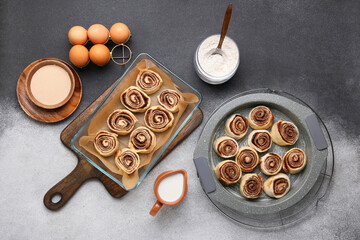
{"x":99,"y":54}
{"x":78,"y":35}
{"x":119,"y":33}
{"x":98,"y":34}
{"x":79,"y":56}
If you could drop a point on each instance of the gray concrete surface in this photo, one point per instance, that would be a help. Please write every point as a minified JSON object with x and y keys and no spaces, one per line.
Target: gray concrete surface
{"x":308,"y":48}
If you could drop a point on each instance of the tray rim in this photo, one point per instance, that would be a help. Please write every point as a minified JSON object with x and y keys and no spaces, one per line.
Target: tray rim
{"x":167,"y":143}
{"x":255,"y":91}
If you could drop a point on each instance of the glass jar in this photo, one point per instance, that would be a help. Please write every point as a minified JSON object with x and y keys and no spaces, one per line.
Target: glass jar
{"x":219,"y":78}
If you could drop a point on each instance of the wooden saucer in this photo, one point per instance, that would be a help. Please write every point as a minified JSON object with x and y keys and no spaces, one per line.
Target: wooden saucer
{"x":47,"y":115}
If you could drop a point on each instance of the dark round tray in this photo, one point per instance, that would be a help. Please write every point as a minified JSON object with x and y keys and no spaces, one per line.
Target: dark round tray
{"x":307,"y":187}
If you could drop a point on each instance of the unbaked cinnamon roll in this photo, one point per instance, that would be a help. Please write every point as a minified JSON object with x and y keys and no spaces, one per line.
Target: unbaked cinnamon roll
{"x":149,"y":81}
{"x":225,"y":147}
{"x":106,"y":143}
{"x":251,"y":185}
{"x":270,"y":164}
{"x":127,"y":160}
{"x":260,"y":117}
{"x":170,"y":100}
{"x":158,"y":119}
{"x":294,"y":160}
{"x":247,"y":158}
{"x":260,"y":140}
{"x":277,"y":186}
{"x":135,"y":100}
{"x":284,"y":133}
{"x":236,"y":126}
{"x":121,"y":121}
{"x":228,"y":172}
{"x":142,"y":140}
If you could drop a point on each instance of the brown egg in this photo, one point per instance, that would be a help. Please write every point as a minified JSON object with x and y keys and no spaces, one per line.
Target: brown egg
{"x":79,"y":56}
{"x":78,"y":35}
{"x":99,"y":54}
{"x":98,"y":34}
{"x":119,"y":33}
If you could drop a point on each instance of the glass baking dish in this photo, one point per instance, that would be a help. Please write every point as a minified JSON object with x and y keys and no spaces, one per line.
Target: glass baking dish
{"x":182,"y":86}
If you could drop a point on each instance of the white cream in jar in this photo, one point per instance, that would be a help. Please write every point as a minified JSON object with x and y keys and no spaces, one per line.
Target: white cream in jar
{"x":216,"y":68}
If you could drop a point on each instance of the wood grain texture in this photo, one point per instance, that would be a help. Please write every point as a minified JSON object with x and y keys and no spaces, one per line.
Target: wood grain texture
{"x":84,"y":170}
{"x":47,"y":115}
{"x":225,"y":25}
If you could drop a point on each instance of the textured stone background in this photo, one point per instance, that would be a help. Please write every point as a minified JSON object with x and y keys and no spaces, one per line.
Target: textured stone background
{"x":308,"y":48}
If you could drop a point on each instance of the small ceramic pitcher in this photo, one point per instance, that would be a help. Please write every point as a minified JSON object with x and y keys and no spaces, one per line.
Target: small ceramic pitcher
{"x":167,"y":186}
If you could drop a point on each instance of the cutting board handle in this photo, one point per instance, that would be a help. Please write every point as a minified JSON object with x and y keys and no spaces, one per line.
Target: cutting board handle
{"x":66,"y":188}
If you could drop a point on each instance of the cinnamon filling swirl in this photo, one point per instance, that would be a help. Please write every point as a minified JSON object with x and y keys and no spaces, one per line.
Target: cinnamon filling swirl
{"x":248,"y":159}
{"x":261,"y":140}
{"x":239,"y":125}
{"x":280,"y":186}
{"x":230,"y":171}
{"x":121,"y":121}
{"x":127,"y":160}
{"x":135,"y":100}
{"x":106,"y":143}
{"x":294,"y":160}
{"x":149,"y":81}
{"x":277,"y":186}
{"x":261,"y":116}
{"x":142,"y":140}
{"x":288,"y":131}
{"x":271,"y":164}
{"x":253,"y":186}
{"x":226,"y":147}
{"x":170,"y":100}
{"x":158,"y":119}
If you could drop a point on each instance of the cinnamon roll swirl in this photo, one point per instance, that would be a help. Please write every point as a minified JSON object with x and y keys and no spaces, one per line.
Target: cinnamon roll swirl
{"x":127,"y":160}
{"x":142,"y":140}
{"x":236,"y":126}
{"x":247,"y":158}
{"x":260,"y":117}
{"x":284,"y":133}
{"x":270,"y":164}
{"x":228,"y":172}
{"x":106,"y":143}
{"x":135,"y":100}
{"x":149,"y":81}
{"x":158,"y":119}
{"x":170,"y":100}
{"x":251,"y":185}
{"x":260,"y":140}
{"x":277,"y":186}
{"x":121,"y":121}
{"x":294,"y":160}
{"x":225,"y":147}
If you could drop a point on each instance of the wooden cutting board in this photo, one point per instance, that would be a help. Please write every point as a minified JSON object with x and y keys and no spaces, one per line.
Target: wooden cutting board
{"x":83,"y":171}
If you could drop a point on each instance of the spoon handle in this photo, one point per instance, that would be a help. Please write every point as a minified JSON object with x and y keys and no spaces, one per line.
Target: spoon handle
{"x":225,"y":25}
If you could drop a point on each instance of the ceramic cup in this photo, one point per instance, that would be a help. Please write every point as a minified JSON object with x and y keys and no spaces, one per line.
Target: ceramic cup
{"x":160,"y":201}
